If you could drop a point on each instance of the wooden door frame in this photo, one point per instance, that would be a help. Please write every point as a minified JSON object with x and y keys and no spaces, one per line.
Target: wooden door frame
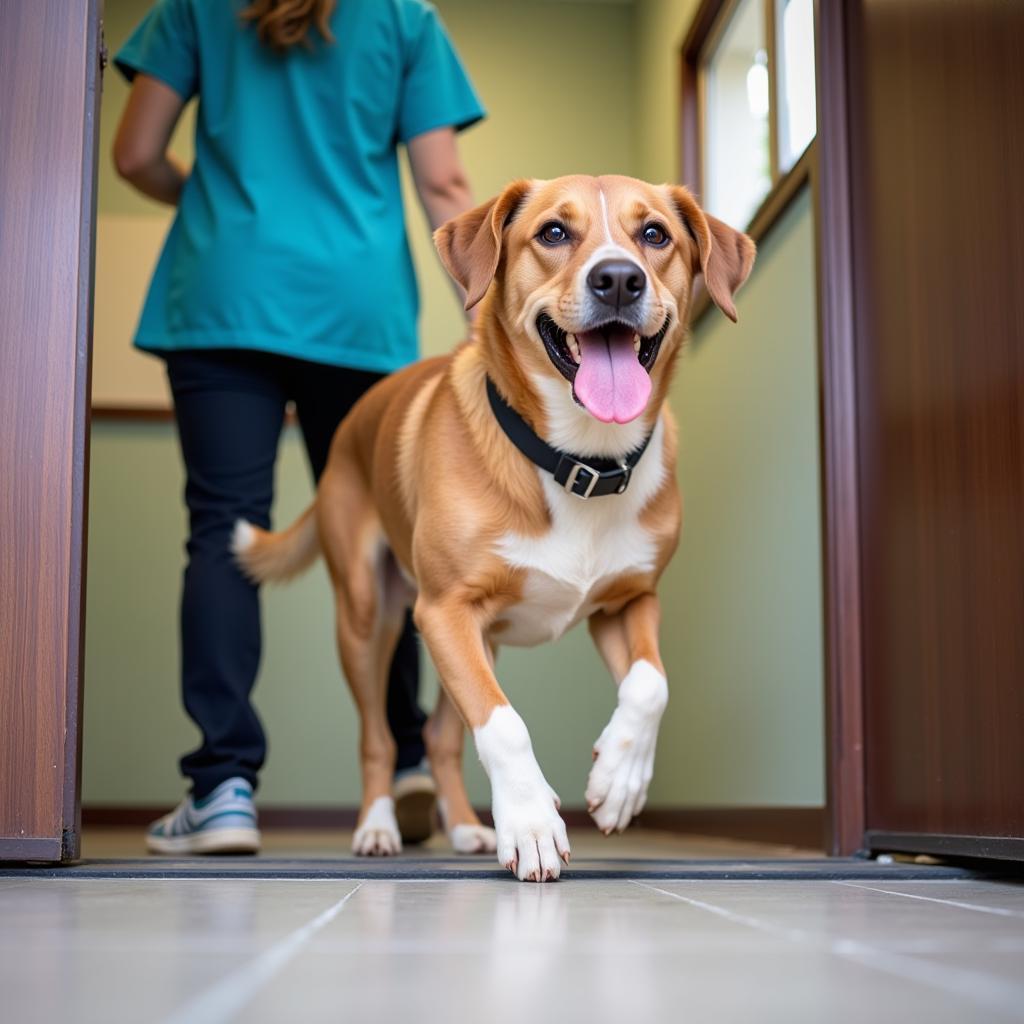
{"x":844,"y":683}
{"x":72,"y":359}
{"x":95,"y":65}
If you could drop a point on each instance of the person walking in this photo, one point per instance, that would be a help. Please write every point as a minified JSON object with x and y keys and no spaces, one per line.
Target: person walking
{"x":286,"y":277}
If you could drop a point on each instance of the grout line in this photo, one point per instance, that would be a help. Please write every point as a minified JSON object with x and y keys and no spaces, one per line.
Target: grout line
{"x":227,"y":997}
{"x":793,"y":934}
{"x":1000,"y":911}
{"x":974,"y":986}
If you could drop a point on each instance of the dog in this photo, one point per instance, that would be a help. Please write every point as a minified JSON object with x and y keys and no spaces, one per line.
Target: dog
{"x":515,"y":487}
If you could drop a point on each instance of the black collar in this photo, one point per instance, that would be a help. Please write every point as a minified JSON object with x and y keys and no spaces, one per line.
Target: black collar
{"x":584,"y":476}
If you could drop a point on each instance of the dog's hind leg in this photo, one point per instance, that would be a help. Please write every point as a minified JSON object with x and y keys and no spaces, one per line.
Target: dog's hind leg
{"x":444,"y":735}
{"x":367,"y":632}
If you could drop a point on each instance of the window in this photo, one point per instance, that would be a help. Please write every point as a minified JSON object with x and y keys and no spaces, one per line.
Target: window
{"x":794,"y":36}
{"x":737,"y":148}
{"x":748,"y":105}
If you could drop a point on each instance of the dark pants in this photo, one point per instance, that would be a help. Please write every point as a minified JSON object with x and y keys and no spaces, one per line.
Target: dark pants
{"x":230,"y":408}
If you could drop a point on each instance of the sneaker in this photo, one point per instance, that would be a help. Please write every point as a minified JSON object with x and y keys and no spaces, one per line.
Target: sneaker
{"x":415,"y":803}
{"x":223,"y":822}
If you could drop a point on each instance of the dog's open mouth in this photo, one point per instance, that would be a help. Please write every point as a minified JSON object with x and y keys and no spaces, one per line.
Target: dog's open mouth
{"x":608,"y":366}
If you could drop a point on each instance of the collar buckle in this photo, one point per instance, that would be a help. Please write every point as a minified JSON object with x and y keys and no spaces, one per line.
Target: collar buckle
{"x":590,"y":481}
{"x":580,"y":480}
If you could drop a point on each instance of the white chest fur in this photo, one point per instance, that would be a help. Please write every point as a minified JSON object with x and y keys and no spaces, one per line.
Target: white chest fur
{"x":589,"y":544}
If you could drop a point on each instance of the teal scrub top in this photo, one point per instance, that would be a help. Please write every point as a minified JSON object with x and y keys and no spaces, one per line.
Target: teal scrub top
{"x":290,"y":235}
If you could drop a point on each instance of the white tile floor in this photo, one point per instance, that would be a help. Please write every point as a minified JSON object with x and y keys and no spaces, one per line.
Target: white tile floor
{"x":196,"y":951}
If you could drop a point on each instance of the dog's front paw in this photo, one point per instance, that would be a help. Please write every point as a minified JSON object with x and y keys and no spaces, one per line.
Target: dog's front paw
{"x":531,"y":836}
{"x":378,"y":835}
{"x":624,"y":752}
{"x":532,"y":842}
{"x":622,"y":771}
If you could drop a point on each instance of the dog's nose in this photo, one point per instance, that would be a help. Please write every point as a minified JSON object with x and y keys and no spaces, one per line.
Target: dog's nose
{"x":617,"y":283}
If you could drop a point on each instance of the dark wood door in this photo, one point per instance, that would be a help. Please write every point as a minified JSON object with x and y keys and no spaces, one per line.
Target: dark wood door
{"x":49,"y":83}
{"x":936,"y":163}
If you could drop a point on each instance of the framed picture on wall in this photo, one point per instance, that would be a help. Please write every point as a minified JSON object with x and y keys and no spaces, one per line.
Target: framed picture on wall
{"x":125,"y":381}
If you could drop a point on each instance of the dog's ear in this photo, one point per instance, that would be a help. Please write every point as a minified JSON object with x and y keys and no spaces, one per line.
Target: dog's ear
{"x":725,"y":255}
{"x":470,"y":245}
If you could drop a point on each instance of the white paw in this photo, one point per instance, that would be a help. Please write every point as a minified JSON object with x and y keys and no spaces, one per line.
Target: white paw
{"x":473,"y":839}
{"x":531,"y":837}
{"x":532,"y":842}
{"x":378,"y":835}
{"x":624,"y":752}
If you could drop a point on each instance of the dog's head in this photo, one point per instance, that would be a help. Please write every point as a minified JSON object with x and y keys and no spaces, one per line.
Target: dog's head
{"x":592,"y":279}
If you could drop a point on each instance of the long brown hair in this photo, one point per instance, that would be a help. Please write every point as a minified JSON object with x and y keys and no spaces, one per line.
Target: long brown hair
{"x":281,"y":24}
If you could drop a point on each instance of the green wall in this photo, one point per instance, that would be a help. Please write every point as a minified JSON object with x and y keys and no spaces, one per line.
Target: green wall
{"x":743,"y":603}
{"x":742,"y":633}
{"x":743,"y":595}
{"x":659,"y":29}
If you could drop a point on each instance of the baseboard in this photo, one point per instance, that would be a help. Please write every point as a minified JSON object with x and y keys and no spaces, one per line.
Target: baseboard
{"x":784,"y":826}
{"x":287,"y":818}
{"x":787,"y":826}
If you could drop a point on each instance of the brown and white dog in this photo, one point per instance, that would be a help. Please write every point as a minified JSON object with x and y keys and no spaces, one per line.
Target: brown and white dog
{"x":427,"y":501}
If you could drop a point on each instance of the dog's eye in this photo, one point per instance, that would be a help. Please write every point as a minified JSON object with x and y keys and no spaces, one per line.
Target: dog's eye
{"x":656,"y":235}
{"x":553,"y":233}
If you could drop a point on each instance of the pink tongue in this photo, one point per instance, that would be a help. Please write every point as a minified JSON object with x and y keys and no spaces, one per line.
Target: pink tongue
{"x":610,"y":381}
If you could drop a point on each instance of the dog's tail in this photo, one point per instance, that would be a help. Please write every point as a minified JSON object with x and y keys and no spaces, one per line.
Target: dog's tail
{"x":274,"y":557}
